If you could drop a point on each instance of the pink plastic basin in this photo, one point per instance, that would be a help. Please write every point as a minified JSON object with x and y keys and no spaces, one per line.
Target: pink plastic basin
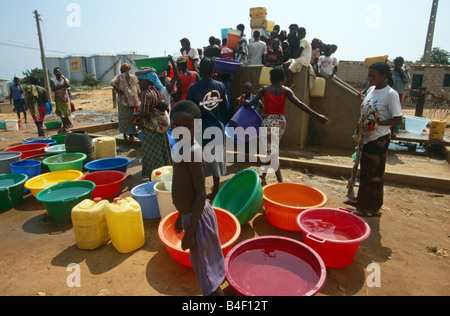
{"x":274,"y":266}
{"x":335,"y":234}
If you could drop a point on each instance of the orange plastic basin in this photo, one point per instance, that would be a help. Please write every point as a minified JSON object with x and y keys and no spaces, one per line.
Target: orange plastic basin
{"x":229,"y":232}
{"x":283,"y":202}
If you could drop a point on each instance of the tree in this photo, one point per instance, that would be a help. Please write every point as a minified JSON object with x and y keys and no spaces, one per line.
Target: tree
{"x":440,"y":56}
{"x":36,"y":72}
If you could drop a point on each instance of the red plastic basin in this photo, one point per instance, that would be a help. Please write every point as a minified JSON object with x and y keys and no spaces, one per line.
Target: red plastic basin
{"x":29,"y":150}
{"x":229,"y":231}
{"x":335,"y":234}
{"x":107,"y":183}
{"x":274,"y":266}
{"x":284,"y":201}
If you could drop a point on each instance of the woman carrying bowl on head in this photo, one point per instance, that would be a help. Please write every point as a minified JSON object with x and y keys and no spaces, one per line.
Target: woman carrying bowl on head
{"x":153,"y":121}
{"x":380,"y":110}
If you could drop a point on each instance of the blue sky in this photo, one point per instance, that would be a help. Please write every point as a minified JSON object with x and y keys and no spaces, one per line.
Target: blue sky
{"x":360,"y":28}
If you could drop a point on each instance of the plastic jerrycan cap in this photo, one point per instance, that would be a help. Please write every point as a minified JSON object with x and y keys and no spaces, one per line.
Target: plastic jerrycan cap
{"x":97,"y":200}
{"x":158,"y":173}
{"x":117,"y":199}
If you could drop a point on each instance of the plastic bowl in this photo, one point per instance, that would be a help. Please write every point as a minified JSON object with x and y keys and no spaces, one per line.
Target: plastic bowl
{"x":107,"y":183}
{"x":6,"y":158}
{"x":415,"y":124}
{"x":60,"y":198}
{"x":241,"y":195}
{"x":116,"y":164}
{"x":159,"y":63}
{"x":11,"y":190}
{"x":53,"y":125}
{"x":72,"y":161}
{"x":274,"y":266}
{"x":56,"y":149}
{"x":29,"y":150}
{"x":227,"y":65}
{"x":229,"y":232}
{"x":334,"y":233}
{"x":31,"y":168}
{"x":50,"y":142}
{"x":39,"y":183}
{"x":60,"y":138}
{"x":283,"y":202}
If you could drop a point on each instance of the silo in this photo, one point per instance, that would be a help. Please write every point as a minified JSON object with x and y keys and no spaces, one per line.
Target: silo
{"x":53,"y":62}
{"x":129,"y":59}
{"x":77,"y":67}
{"x":106,"y":67}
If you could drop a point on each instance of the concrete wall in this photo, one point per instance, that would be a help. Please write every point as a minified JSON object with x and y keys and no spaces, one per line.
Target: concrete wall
{"x":296,"y":134}
{"x":340,"y":105}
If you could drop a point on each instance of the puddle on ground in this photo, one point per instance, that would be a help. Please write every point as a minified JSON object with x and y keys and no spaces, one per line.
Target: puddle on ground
{"x":407,"y":147}
{"x":92,"y":116}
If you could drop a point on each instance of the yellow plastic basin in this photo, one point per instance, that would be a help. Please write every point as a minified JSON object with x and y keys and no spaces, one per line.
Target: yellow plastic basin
{"x":39,"y":183}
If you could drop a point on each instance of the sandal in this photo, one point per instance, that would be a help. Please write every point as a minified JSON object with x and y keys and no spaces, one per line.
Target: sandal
{"x":367,"y":213}
{"x":351,"y":202}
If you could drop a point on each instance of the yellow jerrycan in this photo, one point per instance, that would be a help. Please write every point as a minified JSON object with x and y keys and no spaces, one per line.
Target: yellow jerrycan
{"x":158,"y":173}
{"x":318,"y":89}
{"x":437,"y":129}
{"x":125,"y":224}
{"x":104,"y":147}
{"x":89,"y":224}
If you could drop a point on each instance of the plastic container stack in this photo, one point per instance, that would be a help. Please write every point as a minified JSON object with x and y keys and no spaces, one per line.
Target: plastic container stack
{"x":259,"y":22}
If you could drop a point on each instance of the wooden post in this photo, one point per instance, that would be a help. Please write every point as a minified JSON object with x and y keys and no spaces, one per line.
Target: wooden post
{"x":44,"y":63}
{"x":114,"y":96}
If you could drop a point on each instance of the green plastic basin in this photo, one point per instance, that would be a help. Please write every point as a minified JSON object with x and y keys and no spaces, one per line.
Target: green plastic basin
{"x":11,"y":190}
{"x":159,"y":63}
{"x":60,"y":138}
{"x":242,"y":195}
{"x":61,"y":198}
{"x":68,"y":161}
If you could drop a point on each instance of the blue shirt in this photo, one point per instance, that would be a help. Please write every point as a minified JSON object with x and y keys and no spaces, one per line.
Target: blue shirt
{"x":17,"y":95}
{"x":211,"y":96}
{"x":399,"y":83}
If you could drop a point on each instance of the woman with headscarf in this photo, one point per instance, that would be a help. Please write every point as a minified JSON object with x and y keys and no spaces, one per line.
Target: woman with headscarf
{"x":153,"y":121}
{"x":127,"y":86}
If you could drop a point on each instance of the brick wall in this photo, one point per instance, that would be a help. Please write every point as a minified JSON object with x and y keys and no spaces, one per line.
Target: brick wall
{"x":355,"y":74}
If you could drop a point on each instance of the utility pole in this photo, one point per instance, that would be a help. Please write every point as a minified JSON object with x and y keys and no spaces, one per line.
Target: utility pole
{"x":44,"y":63}
{"x":430,"y":34}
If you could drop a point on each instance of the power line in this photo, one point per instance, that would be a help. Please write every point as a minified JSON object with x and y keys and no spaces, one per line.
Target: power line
{"x":26,"y":46}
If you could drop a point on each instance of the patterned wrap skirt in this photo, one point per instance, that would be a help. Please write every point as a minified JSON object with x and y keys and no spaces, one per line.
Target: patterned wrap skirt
{"x":371,"y":179}
{"x":156,"y":151}
{"x":126,"y":124}
{"x":207,"y":257}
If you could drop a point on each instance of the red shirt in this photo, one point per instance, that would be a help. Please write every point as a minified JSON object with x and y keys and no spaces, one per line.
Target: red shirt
{"x":274,"y":104}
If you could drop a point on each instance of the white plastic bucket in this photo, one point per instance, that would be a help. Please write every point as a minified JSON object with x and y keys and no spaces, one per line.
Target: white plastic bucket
{"x":165,"y":202}
{"x":12,"y":125}
{"x":167,"y":180}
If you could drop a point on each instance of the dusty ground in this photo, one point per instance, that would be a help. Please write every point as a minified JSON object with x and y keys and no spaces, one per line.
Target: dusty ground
{"x":410,"y":241}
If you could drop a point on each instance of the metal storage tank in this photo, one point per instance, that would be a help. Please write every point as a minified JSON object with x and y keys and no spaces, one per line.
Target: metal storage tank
{"x":53,"y":62}
{"x":4,"y":90}
{"x":77,"y":66}
{"x":105,"y":67}
{"x":129,"y":59}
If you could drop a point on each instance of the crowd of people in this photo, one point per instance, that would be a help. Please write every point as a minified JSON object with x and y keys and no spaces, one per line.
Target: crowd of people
{"x":191,"y":89}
